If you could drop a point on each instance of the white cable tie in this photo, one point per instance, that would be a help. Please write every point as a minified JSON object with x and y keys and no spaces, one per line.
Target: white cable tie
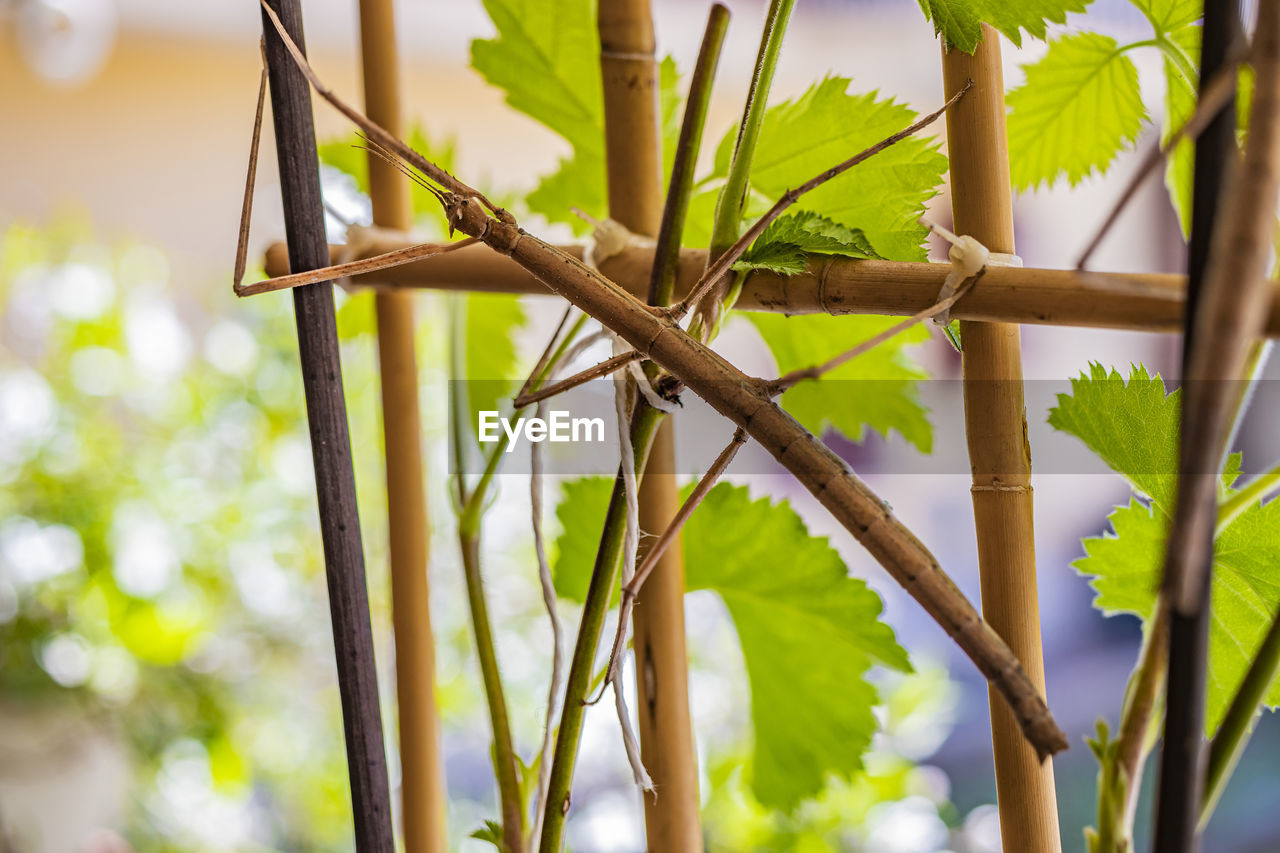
{"x":968,"y":258}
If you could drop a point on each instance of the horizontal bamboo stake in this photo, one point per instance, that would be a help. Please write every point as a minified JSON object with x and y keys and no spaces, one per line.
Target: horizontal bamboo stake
{"x":1150,"y":302}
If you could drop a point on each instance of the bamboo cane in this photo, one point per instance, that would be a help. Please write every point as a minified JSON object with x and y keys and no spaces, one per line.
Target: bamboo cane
{"x":1151,"y":302}
{"x":995,"y":425}
{"x":330,"y":440}
{"x":422,"y":793}
{"x":633,"y":156}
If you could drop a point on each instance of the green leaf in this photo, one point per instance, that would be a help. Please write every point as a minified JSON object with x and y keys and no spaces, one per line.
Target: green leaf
{"x":1179,"y":104}
{"x":492,"y":833}
{"x":781,"y":247}
{"x":1133,"y":427}
{"x":878,"y":389}
{"x":581,"y":513}
{"x":546,"y":57}
{"x":1079,"y":107}
{"x":347,"y":155}
{"x":959,"y":22}
{"x":1169,"y":15}
{"x":491,"y":322}
{"x":1126,"y":566}
{"x":809,"y":632}
{"x":883,"y":197}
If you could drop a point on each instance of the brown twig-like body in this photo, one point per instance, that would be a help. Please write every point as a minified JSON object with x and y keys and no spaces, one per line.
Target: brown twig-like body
{"x":746,"y":402}
{"x":996,"y":430}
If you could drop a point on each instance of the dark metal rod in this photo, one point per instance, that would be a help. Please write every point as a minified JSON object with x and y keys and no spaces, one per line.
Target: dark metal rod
{"x":330,"y":440}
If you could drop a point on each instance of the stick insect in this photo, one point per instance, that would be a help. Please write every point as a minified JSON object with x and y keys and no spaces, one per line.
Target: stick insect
{"x":656,"y":335}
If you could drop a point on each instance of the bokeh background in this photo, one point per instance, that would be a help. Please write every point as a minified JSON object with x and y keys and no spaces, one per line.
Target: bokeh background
{"x":166,"y":679}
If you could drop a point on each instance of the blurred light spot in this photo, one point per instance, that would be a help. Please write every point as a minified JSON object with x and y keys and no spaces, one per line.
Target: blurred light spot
{"x":66,"y":658}
{"x":115,"y":673}
{"x":910,"y":825}
{"x":30,"y":552}
{"x":28,"y":408}
{"x":230,"y":348}
{"x":263,"y":585}
{"x":97,"y":371}
{"x":66,"y":41}
{"x":158,"y":342}
{"x":81,"y":291}
{"x":608,"y":823}
{"x":292,"y":465}
{"x":982,"y":829}
{"x":145,"y":559}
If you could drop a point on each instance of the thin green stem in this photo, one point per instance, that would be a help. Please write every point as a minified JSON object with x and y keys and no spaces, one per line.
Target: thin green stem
{"x":1257,"y":489}
{"x":644,"y":425}
{"x":504,"y":754}
{"x":1175,"y":54}
{"x":671,"y":232}
{"x":733,"y":195}
{"x":728,"y":218}
{"x":1232,"y":736}
{"x":458,"y":394}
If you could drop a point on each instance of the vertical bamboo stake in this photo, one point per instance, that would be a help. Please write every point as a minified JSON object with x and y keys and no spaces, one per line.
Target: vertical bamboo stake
{"x":422,"y":795}
{"x":330,"y":439}
{"x":995,"y":424}
{"x":633,"y":150}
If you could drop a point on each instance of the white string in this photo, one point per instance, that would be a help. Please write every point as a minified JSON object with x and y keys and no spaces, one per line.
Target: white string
{"x":630,"y":541}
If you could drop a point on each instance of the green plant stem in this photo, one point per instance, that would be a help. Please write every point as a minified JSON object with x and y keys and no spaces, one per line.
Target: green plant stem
{"x":504,"y":754}
{"x":733,"y":194}
{"x":1257,"y":489}
{"x":1234,"y":733}
{"x":472,"y":504}
{"x":644,"y":425}
{"x":666,"y":257}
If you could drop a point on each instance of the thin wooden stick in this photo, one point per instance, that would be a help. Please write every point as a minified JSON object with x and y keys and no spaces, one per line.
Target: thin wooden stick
{"x":330,"y":441}
{"x":743,"y":400}
{"x":582,"y":377}
{"x":246,"y":207}
{"x":422,"y":790}
{"x":787,"y":380}
{"x":722,"y":264}
{"x":393,"y":258}
{"x":995,"y":427}
{"x":669,"y":536}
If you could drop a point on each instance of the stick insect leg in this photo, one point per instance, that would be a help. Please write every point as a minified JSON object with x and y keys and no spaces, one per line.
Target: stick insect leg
{"x":246,"y":208}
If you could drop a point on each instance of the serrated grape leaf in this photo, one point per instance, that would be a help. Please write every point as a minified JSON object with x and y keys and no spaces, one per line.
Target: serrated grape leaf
{"x":781,"y":247}
{"x":1169,"y":15}
{"x":347,"y":155}
{"x":959,"y":22}
{"x":1125,"y":569}
{"x":878,"y":389}
{"x":1133,"y":427}
{"x":1179,"y":104}
{"x":491,"y":364}
{"x":809,"y":632}
{"x":546,"y":57}
{"x":883,"y":197}
{"x":1079,"y":107}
